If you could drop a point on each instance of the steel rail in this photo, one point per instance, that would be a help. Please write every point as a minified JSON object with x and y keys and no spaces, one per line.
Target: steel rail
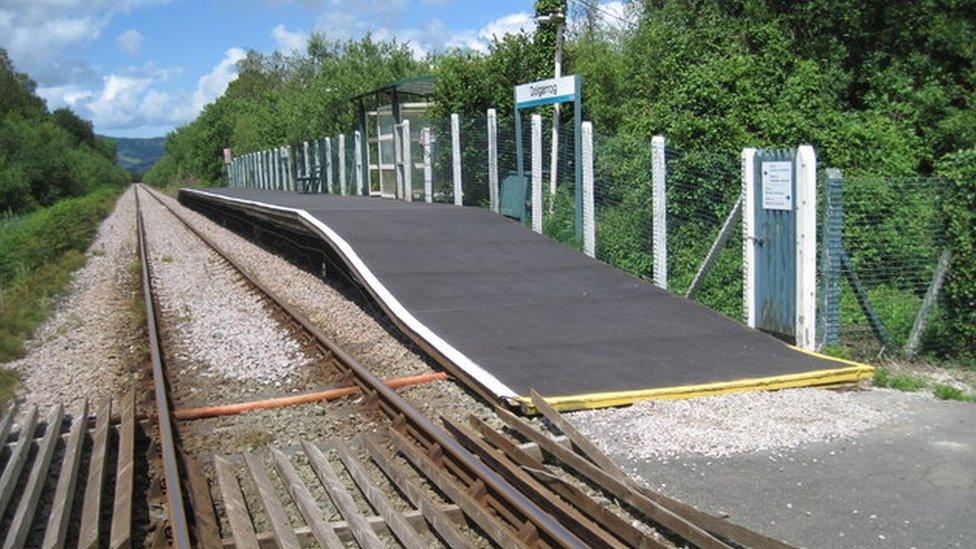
{"x":408,"y":419}
{"x":171,"y":469}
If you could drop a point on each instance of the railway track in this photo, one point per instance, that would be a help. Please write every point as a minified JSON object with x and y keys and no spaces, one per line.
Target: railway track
{"x":413,"y":482}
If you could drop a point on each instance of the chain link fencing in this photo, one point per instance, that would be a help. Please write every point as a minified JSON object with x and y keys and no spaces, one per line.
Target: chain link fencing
{"x":890,"y":255}
{"x":880,"y":239}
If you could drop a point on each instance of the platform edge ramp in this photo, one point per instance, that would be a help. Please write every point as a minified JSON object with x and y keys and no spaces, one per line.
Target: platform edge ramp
{"x":847,"y":372}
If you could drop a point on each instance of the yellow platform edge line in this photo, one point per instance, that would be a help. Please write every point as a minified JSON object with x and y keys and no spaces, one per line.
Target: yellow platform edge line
{"x":836,"y":376}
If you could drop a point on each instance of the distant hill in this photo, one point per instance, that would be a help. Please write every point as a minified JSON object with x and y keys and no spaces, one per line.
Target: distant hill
{"x":138,"y":154}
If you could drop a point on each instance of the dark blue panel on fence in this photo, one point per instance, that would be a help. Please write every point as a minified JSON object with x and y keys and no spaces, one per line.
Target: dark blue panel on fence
{"x":775,"y":243}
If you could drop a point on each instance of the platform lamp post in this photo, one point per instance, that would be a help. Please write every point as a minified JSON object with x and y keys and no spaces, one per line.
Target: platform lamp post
{"x":559,"y":19}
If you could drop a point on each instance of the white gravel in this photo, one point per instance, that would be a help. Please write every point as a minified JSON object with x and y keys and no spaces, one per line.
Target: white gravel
{"x":355,"y":330}
{"x":727,"y":425}
{"x":92,"y":343}
{"x":343,"y":320}
{"x":216,"y":324}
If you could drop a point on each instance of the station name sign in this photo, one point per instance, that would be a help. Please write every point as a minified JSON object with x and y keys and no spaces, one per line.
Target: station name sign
{"x":546,"y":92}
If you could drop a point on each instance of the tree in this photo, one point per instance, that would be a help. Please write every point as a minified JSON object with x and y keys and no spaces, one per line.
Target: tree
{"x":17,"y":91}
{"x":81,"y":130}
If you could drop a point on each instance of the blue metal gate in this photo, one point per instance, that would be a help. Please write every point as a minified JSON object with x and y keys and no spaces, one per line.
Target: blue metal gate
{"x":775,"y":242}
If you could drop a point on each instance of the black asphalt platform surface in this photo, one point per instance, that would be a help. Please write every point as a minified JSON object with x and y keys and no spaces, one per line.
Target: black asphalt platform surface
{"x":536,"y":313}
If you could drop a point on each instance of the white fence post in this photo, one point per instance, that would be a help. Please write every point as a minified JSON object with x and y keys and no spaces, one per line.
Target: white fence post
{"x":286,"y":150}
{"x":659,"y":200}
{"x":342,"y":164}
{"x":749,"y":235}
{"x":282,"y":176}
{"x":275,"y":179}
{"x":493,"y":159}
{"x":283,"y":163}
{"x":589,"y":215}
{"x":280,"y":165}
{"x":407,"y":162}
{"x":806,"y":248}
{"x":427,"y":141}
{"x":456,"y":156}
{"x":328,"y":165}
{"x":292,"y":152}
{"x":307,"y":161}
{"x":397,"y":161}
{"x":537,"y":173}
{"x":282,"y":169}
{"x":358,"y":151}
{"x":316,"y":165}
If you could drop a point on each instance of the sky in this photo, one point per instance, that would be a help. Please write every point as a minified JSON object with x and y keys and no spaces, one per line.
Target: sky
{"x":139,"y":68}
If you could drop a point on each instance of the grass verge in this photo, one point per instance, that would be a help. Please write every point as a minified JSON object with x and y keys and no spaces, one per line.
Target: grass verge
{"x":948,"y":392}
{"x":38,"y":253}
{"x":901,"y":382}
{"x":913,"y":383}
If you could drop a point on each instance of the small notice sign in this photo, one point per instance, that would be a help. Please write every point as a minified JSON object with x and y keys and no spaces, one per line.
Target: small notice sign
{"x":777,"y":185}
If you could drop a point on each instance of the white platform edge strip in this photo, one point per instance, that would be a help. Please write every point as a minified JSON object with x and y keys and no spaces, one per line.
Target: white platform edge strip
{"x":458,"y":358}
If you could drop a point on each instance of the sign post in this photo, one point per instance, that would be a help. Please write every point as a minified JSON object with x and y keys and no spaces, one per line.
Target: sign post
{"x":549,"y":92}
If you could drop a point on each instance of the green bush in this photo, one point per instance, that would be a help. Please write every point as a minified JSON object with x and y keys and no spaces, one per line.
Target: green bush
{"x":15,"y":191}
{"x":38,"y":253}
{"x":959,"y":214}
{"x":30,"y":241}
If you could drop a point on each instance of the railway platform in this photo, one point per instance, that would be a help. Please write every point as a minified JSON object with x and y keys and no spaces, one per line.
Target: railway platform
{"x":510,"y":311}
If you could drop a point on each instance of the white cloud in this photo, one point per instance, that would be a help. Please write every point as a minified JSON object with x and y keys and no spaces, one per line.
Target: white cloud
{"x":514,"y":23}
{"x":288,"y":41}
{"x":436,"y":36}
{"x":130,"y":99}
{"x":130,"y":41}
{"x":68,"y":95}
{"x":213,"y":84}
{"x":116,"y":104}
{"x":342,"y":19}
{"x":44,"y":37}
{"x":614,"y":16}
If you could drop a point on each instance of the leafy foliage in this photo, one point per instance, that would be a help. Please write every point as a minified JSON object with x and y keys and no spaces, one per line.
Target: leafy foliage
{"x":278,"y":99}
{"x":959,"y":213}
{"x":45,"y":157}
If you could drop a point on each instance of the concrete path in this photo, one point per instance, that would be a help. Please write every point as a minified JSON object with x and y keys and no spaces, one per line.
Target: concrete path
{"x":908,"y":483}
